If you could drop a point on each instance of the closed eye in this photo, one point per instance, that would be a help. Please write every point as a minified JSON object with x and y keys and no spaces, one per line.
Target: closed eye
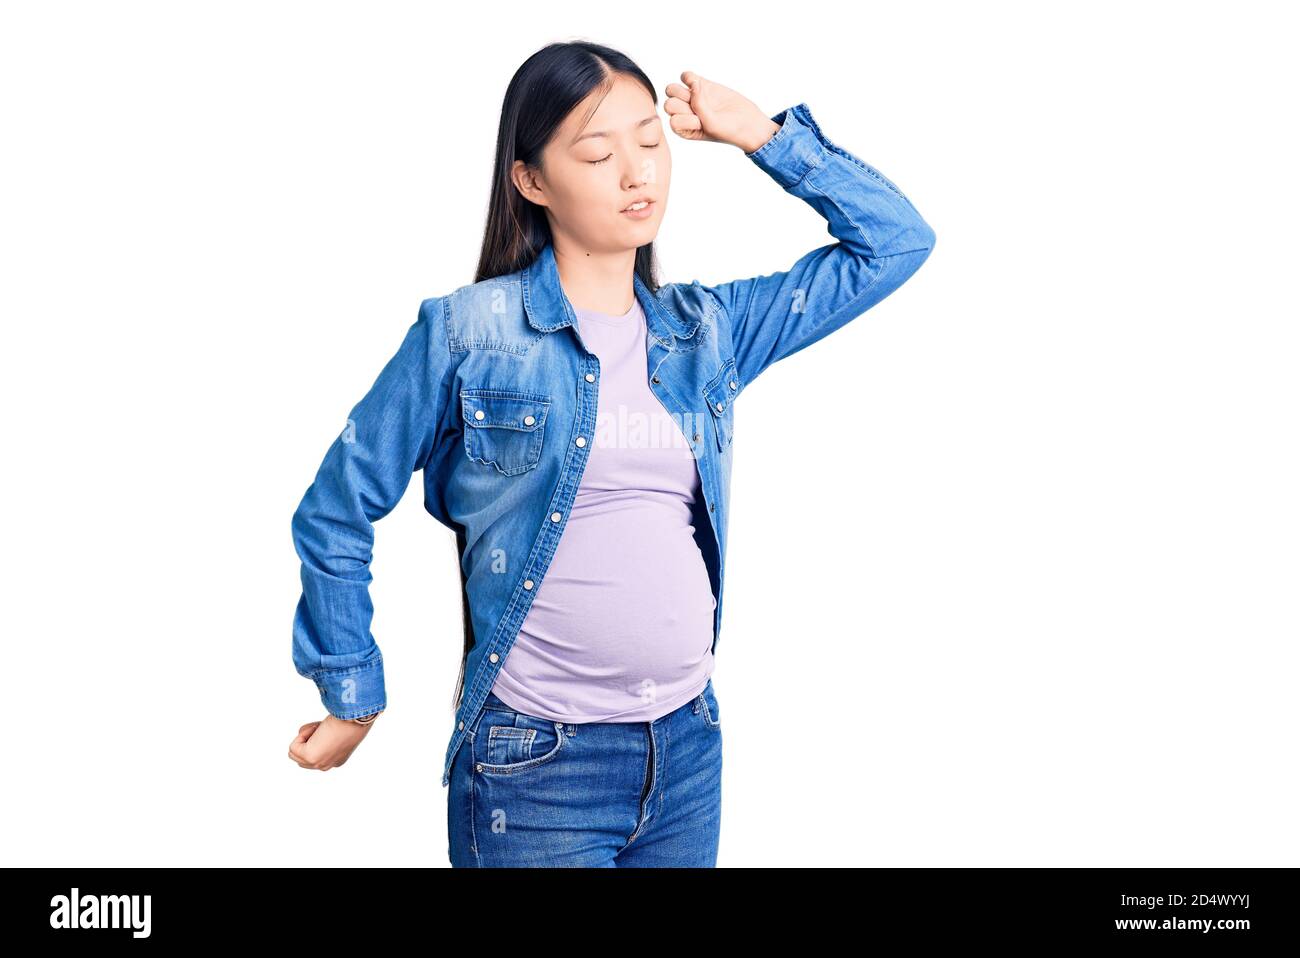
{"x":644,"y":146}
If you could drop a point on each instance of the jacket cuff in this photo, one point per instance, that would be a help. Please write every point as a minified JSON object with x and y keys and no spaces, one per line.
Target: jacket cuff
{"x":352,"y":692}
{"x":800,"y":146}
{"x":794,"y":150}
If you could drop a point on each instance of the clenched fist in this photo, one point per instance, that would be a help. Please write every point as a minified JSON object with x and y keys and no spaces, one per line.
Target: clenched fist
{"x":326,"y":744}
{"x":705,"y":110}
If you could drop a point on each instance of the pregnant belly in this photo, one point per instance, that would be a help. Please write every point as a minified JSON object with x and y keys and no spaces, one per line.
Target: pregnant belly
{"x":626,"y":597}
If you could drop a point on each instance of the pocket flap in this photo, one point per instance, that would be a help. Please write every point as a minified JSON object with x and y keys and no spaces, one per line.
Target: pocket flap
{"x":504,"y":408}
{"x":723,"y":388}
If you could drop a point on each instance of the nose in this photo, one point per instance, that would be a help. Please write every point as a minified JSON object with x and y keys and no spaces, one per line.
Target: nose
{"x":637,"y":173}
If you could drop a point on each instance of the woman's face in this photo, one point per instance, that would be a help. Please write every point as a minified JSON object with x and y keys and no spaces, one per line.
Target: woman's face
{"x":595,"y":167}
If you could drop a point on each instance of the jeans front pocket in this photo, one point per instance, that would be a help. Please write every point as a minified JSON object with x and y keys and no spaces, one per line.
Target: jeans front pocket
{"x":509,"y":742}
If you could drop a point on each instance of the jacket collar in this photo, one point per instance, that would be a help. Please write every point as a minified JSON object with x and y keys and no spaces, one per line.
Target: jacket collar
{"x":548,"y":308}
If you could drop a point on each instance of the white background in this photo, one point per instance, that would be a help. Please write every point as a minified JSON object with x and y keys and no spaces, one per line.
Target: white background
{"x":1013,"y":561}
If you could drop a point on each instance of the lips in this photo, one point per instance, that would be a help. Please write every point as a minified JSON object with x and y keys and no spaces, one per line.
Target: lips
{"x":642,"y":209}
{"x":636,"y":204}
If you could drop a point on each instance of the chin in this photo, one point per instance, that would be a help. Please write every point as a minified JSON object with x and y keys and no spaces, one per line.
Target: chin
{"x":643,"y":227}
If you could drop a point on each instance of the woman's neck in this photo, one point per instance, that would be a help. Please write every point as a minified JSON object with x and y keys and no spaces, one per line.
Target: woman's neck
{"x":600,"y":282}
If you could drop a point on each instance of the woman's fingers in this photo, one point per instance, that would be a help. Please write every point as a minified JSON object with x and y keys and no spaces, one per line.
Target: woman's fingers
{"x":684,"y":123}
{"x":674,"y":106}
{"x":681,"y":118}
{"x":682,"y":114}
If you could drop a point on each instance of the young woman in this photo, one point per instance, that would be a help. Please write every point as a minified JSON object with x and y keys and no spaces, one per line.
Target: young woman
{"x":573,"y":419}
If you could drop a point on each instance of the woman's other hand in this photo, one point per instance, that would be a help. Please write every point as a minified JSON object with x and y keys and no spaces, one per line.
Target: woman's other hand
{"x":704,"y":110}
{"x":328,"y":743}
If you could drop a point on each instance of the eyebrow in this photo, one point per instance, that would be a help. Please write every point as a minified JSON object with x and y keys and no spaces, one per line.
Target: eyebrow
{"x":636,"y":126}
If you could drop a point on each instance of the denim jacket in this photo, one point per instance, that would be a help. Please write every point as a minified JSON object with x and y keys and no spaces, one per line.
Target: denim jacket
{"x":493,"y":395}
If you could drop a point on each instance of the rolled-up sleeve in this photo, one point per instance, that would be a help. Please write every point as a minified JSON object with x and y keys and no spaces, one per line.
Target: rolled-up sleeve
{"x":881,"y":240}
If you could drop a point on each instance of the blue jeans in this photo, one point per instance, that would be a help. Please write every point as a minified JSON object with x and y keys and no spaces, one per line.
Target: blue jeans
{"x":529,"y":792}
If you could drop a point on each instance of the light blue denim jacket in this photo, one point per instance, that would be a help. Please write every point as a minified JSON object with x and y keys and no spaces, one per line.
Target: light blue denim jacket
{"x":492,"y":394}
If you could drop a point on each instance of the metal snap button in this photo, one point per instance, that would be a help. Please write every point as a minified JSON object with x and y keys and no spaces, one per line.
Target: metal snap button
{"x":478,"y":413}
{"x":529,"y":420}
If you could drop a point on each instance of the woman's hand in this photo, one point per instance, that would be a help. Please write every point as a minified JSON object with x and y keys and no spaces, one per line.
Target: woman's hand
{"x":704,"y":110}
{"x":323,"y":745}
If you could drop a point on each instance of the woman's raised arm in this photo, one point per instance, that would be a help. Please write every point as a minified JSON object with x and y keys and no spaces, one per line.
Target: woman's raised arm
{"x":881,"y":239}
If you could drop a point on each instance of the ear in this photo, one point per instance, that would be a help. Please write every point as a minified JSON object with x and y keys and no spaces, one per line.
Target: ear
{"x":527,"y":183}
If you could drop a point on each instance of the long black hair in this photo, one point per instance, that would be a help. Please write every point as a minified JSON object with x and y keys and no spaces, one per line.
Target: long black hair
{"x":543,"y":91}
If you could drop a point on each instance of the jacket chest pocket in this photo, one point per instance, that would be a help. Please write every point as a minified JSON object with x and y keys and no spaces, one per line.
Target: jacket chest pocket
{"x":504,"y":428}
{"x":720,"y":393}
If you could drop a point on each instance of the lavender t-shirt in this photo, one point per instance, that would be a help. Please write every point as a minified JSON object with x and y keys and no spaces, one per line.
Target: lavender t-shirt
{"x":621,"y":626}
